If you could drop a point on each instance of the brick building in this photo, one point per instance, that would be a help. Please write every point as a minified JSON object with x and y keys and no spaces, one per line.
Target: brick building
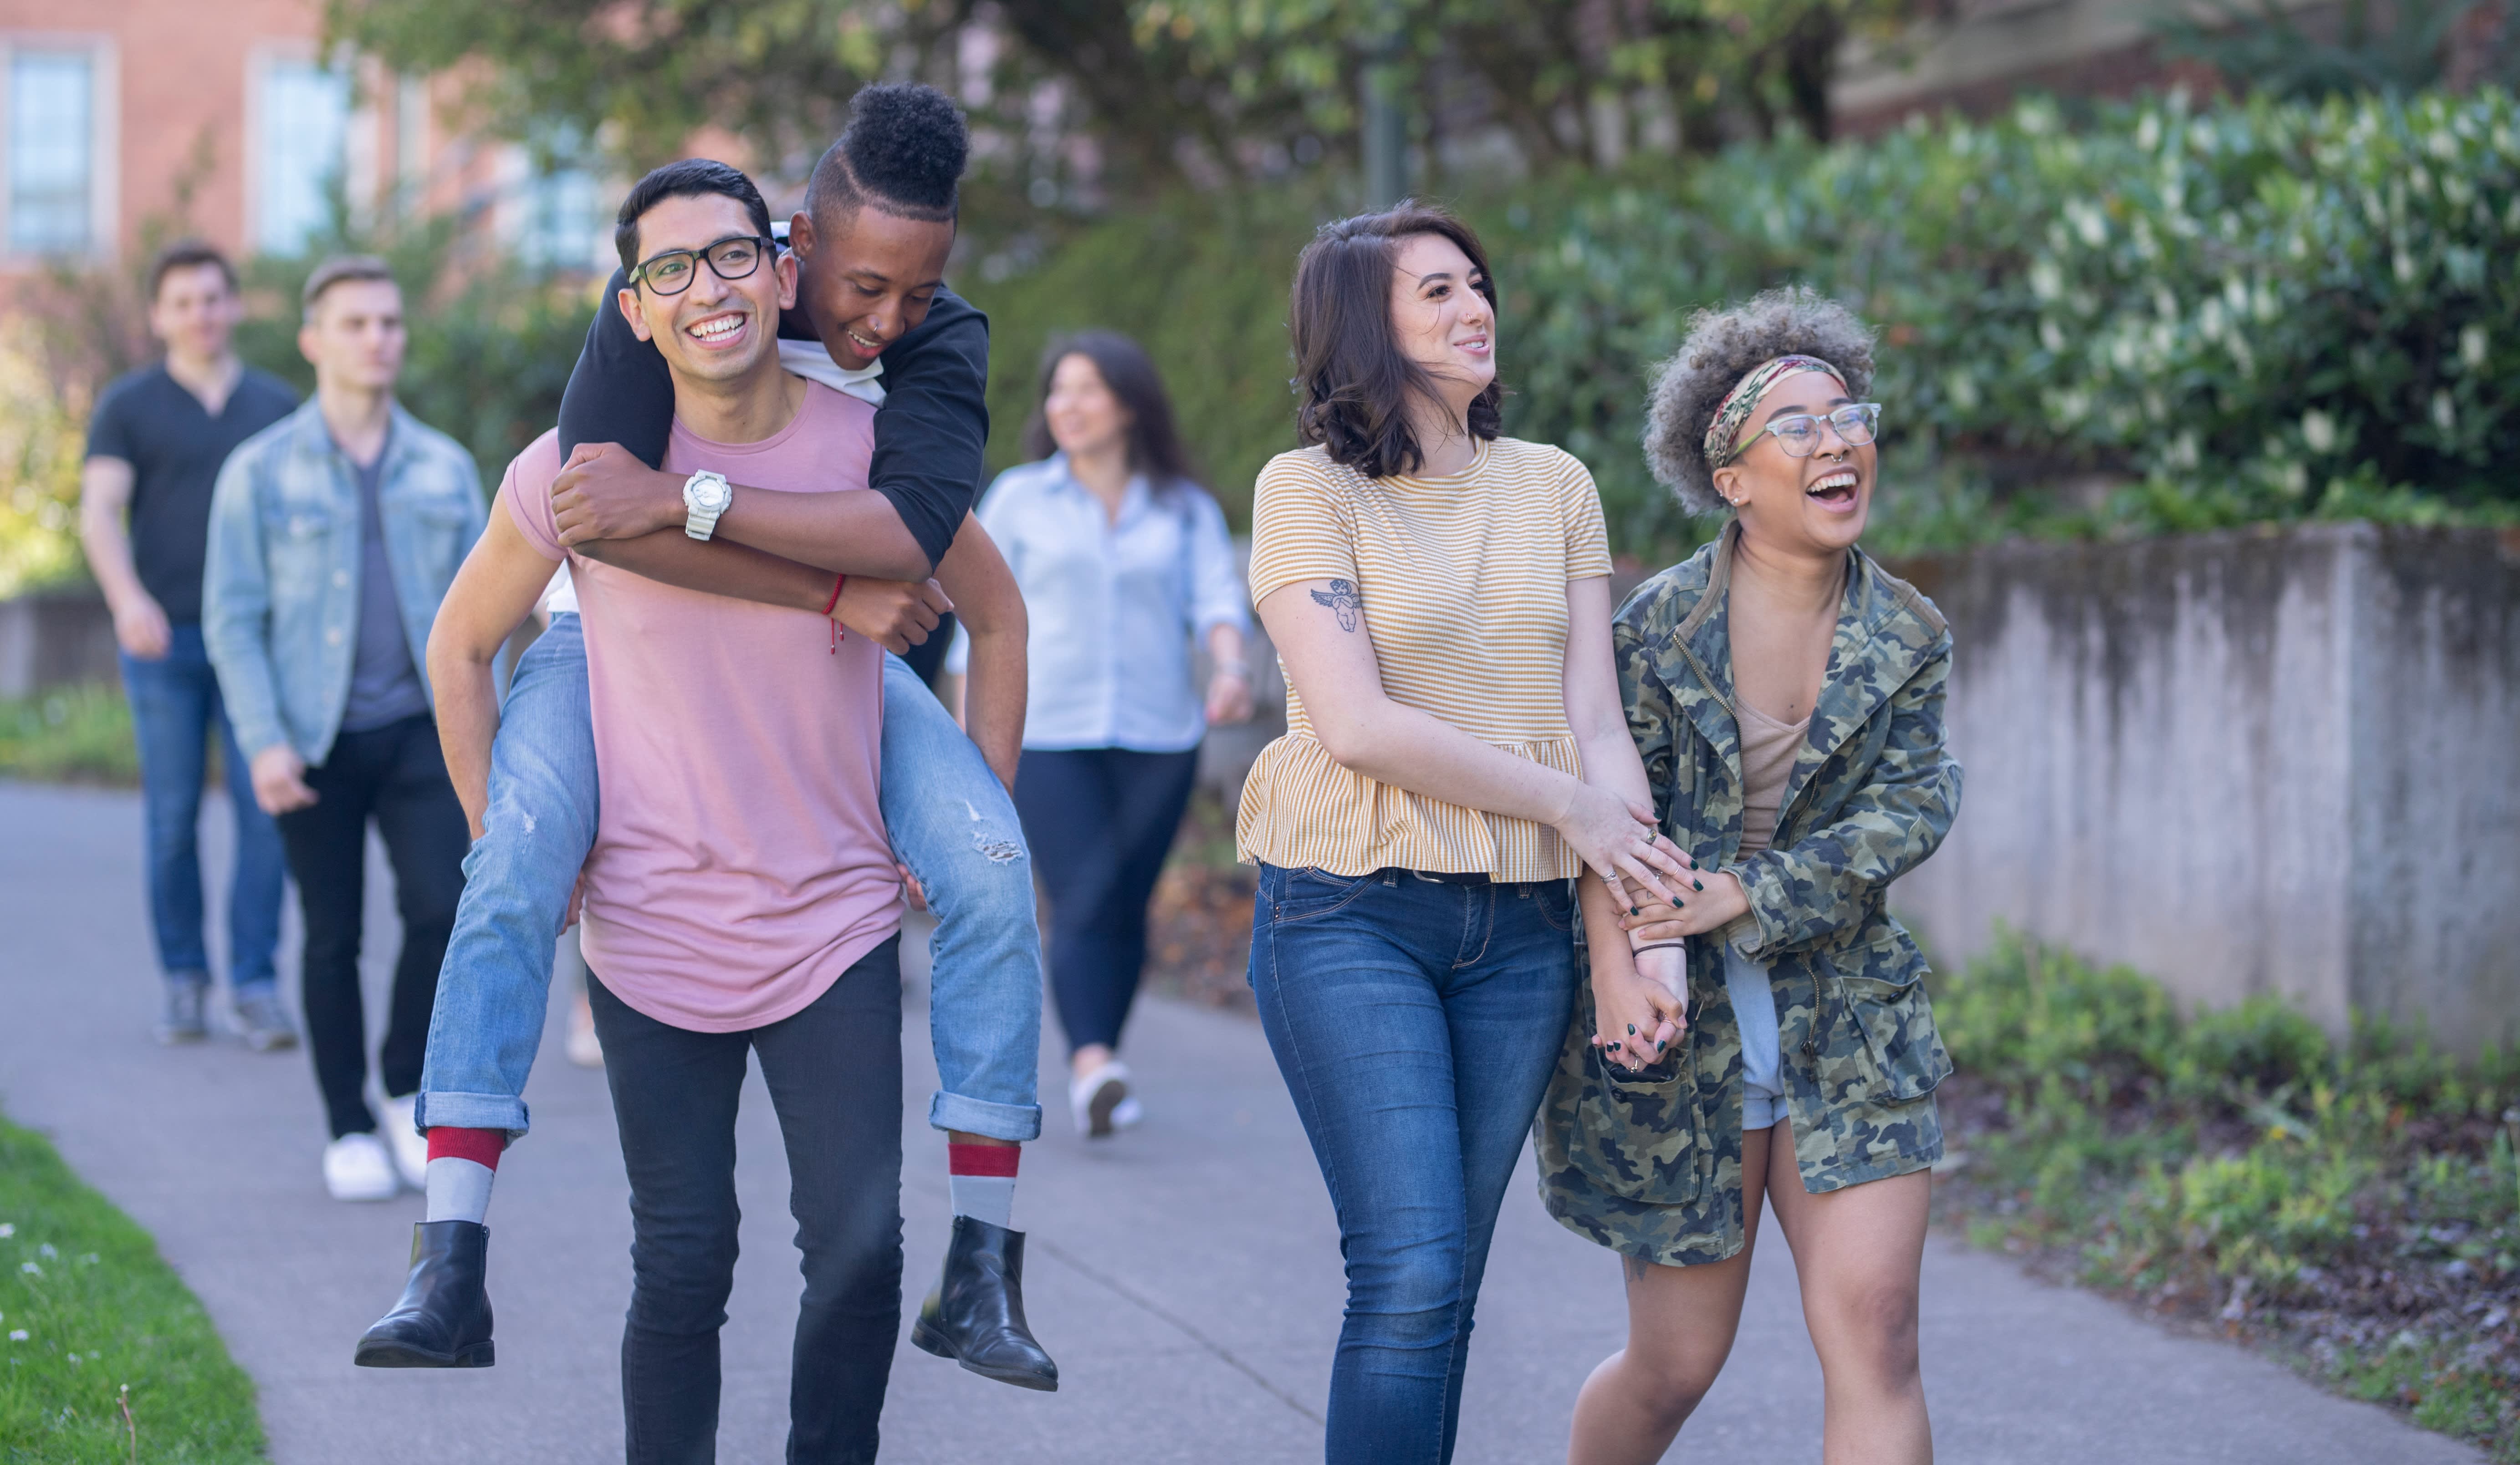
{"x":120,"y":118}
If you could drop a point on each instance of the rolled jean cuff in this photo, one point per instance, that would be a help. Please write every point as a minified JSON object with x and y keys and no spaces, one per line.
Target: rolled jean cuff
{"x":1016,"y":1122}
{"x":471,"y":1112}
{"x":260,"y":986}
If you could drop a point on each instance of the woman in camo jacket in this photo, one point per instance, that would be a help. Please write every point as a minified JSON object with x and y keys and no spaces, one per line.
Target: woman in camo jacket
{"x":1786,"y":695}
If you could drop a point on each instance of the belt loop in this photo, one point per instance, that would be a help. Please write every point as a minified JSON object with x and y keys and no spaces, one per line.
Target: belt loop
{"x":1391,"y":875}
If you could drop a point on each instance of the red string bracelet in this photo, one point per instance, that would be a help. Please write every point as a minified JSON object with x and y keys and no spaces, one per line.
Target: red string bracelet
{"x":831,"y":605}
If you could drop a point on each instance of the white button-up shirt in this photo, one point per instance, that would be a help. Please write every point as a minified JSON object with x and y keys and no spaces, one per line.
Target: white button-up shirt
{"x":1115,"y":607}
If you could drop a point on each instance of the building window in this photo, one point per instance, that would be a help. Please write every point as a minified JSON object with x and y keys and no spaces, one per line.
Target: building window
{"x":52,"y":151}
{"x":303,"y":114}
{"x":554,"y":215}
{"x":565,"y":226}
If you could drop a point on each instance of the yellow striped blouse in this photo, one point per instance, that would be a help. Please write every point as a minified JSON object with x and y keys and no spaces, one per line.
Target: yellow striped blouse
{"x":1463,"y":584}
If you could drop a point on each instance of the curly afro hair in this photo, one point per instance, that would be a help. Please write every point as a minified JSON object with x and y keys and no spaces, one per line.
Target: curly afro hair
{"x":1722,"y":348}
{"x":903,"y":153}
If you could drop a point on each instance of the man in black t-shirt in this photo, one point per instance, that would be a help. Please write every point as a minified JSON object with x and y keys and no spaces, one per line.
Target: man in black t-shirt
{"x":154,"y":444}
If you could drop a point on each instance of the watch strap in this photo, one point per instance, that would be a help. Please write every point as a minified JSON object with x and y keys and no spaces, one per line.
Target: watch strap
{"x":698,"y":522}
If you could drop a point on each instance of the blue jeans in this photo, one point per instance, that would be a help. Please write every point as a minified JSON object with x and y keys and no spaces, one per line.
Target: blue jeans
{"x":951,"y":823}
{"x":1416,"y":1023}
{"x":1104,"y":819}
{"x":174,"y":707}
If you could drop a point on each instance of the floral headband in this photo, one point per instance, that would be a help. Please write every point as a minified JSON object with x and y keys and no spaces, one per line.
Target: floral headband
{"x":1726,"y":430}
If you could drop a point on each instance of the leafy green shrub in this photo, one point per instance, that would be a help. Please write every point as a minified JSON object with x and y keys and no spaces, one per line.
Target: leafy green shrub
{"x":2239,"y":1165}
{"x":43,"y":424}
{"x":69,"y":734}
{"x":2253,"y":310}
{"x":1202,"y":282}
{"x":2022,"y":1016}
{"x":2259,"y":1044}
{"x":2268,"y":1212}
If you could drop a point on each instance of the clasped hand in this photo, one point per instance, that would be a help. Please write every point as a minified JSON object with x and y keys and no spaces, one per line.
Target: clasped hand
{"x":1617,"y":840}
{"x":1640,"y":1009}
{"x":897,"y":615}
{"x":604,"y":492}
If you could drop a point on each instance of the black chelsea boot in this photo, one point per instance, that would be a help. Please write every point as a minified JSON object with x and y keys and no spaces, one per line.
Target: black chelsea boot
{"x":976,"y":1314}
{"x":443,"y":1318}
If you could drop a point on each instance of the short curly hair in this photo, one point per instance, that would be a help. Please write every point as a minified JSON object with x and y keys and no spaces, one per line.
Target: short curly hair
{"x":1720,"y":349}
{"x":903,"y":152}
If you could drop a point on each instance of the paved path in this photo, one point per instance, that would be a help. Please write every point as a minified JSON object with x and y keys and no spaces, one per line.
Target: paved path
{"x":1186,"y":1276}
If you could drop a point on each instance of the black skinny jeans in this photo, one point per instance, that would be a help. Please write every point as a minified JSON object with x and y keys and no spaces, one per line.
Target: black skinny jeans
{"x":1100,"y":821}
{"x":833,"y":1072}
{"x":395,"y":775}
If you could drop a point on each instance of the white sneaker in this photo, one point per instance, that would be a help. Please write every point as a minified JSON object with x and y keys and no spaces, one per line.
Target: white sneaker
{"x":356,"y":1167}
{"x":410,"y":1146}
{"x":1096,"y":1099}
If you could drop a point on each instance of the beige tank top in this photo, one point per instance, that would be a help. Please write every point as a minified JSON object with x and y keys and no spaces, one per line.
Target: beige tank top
{"x":1768,"y":749}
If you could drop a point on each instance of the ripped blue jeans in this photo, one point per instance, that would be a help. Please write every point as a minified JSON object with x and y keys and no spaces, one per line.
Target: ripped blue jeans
{"x":951,"y":823}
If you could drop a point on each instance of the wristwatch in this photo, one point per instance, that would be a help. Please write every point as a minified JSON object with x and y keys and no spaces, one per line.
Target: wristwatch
{"x":705,"y":495}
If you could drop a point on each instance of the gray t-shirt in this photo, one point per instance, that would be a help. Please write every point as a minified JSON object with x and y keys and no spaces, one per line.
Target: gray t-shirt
{"x":384,"y":685}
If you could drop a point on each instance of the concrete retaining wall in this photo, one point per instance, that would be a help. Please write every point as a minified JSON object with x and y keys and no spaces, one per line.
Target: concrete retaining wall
{"x":2245,"y":763}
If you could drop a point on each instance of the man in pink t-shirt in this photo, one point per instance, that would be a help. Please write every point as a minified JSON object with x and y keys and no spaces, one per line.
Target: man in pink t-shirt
{"x":742,"y":897}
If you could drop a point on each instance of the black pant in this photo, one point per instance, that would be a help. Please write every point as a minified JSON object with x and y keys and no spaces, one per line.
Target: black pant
{"x":833,"y":1072}
{"x":395,"y":775}
{"x":1100,"y":821}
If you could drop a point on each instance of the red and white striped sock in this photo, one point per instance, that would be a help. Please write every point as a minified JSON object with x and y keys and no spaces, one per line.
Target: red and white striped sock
{"x":982,"y":1179}
{"x":461,"y":1164}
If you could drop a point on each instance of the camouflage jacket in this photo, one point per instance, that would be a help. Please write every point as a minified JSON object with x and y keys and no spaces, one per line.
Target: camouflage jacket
{"x":1650,"y":1164}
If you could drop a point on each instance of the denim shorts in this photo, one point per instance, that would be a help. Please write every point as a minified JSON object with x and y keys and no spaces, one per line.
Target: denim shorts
{"x":1754,"y":1012}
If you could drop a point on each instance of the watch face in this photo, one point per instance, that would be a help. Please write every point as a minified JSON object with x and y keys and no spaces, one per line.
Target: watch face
{"x":709,"y":494}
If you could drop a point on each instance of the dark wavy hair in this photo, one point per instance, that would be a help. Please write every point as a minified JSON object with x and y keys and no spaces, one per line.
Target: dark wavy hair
{"x":1155,"y":442}
{"x":1353,"y":382}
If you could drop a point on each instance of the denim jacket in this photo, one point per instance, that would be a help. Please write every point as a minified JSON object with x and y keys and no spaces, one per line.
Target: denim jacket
{"x":280,"y":589}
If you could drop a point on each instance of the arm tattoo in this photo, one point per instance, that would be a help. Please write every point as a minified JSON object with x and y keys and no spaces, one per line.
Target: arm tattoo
{"x":1636,"y":1268}
{"x":1341,"y":597}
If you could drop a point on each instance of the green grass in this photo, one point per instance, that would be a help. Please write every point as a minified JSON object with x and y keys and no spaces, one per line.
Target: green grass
{"x":70,"y":735}
{"x":92,"y":1320}
{"x":2354,"y":1206}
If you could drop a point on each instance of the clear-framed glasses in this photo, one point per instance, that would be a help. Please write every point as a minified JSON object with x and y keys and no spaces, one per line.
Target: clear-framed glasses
{"x":1799,"y":435}
{"x":730,"y":258}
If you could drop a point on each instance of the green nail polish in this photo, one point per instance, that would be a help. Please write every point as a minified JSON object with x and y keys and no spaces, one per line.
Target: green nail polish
{"x":1632,"y":1030}
{"x":1697,"y":885}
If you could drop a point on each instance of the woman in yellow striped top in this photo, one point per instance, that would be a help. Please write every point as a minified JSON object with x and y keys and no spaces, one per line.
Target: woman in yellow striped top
{"x":1438,"y":595}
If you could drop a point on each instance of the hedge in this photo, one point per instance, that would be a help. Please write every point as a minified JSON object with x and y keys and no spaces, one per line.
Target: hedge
{"x":2196,"y":317}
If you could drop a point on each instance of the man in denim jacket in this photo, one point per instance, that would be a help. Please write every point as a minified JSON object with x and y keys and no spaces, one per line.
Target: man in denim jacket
{"x":334,"y":536}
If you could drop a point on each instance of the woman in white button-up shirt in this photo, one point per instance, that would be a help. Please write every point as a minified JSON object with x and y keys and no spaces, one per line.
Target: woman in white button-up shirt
{"x":1124,"y":563}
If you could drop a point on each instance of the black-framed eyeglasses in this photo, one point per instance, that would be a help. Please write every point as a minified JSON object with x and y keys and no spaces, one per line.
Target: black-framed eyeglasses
{"x":732,"y":257}
{"x":1799,"y":434}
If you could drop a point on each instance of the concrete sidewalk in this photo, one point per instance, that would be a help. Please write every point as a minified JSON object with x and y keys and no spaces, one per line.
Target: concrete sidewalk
{"x":1185,"y":1276}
